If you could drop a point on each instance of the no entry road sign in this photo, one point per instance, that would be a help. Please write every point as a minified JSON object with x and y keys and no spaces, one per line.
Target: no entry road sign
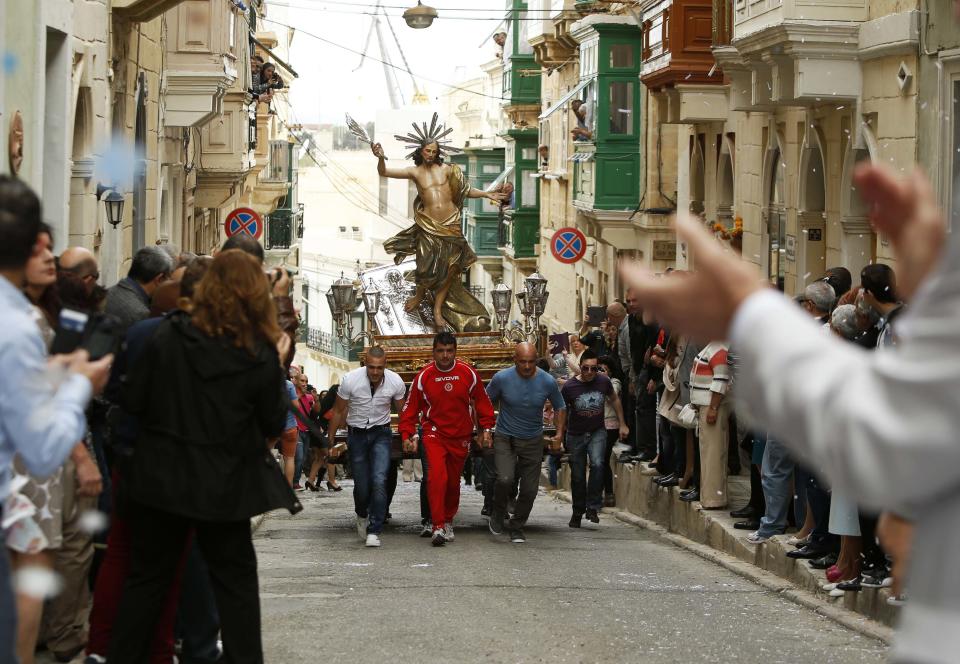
{"x":244,"y":220}
{"x":568,"y":245}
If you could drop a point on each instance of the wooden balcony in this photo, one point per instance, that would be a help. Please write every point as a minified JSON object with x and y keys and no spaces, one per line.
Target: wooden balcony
{"x":677,"y":39}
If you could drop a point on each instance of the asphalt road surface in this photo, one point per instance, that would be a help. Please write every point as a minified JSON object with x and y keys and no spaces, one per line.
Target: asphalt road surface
{"x":607,"y":593}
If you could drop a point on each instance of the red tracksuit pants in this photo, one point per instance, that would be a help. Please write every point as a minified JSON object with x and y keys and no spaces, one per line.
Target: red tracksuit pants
{"x":108,"y":590}
{"x":445,"y":457}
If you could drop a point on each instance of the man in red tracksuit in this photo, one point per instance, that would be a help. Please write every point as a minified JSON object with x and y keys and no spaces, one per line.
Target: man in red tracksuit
{"x":443,"y":399}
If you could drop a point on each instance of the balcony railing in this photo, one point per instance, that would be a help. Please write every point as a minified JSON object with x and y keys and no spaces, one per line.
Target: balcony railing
{"x":279,"y":162}
{"x":279,"y":230}
{"x":320,"y":341}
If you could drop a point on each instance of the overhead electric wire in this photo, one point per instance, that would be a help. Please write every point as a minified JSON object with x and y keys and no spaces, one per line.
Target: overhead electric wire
{"x":372,"y":202}
{"x":498,"y":10}
{"x":389,"y":64}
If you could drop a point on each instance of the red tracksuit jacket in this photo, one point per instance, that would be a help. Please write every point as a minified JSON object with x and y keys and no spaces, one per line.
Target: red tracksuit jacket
{"x":441,"y":401}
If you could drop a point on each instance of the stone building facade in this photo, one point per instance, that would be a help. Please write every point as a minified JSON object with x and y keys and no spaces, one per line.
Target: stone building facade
{"x":149,"y":98}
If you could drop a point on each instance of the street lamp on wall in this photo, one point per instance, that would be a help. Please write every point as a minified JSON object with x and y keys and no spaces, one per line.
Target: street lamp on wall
{"x":113,"y":202}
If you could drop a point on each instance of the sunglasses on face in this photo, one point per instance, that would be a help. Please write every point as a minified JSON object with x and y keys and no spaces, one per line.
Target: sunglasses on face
{"x":590,"y":367}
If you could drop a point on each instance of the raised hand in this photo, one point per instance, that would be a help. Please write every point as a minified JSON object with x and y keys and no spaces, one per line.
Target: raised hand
{"x":377,"y":150}
{"x":700,"y":304}
{"x":906,"y":211}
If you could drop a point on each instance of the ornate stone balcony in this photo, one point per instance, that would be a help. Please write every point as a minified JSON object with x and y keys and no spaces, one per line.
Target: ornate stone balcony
{"x":801,"y":52}
{"x":201,"y":61}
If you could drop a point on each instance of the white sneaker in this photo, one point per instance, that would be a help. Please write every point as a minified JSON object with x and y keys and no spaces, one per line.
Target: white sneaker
{"x":373,"y":540}
{"x":448,"y":533}
{"x":836,"y":592}
{"x":362,"y":522}
{"x":426,"y":530}
{"x":438,"y":537}
{"x":829,"y":586}
{"x":756,"y":538}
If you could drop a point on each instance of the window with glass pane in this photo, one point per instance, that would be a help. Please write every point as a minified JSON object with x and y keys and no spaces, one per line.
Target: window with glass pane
{"x":508,"y":44}
{"x":528,"y":197}
{"x":590,"y":103}
{"x":524,"y":47}
{"x":621,"y":55}
{"x":621,"y":108}
{"x":489,"y":169}
{"x":528,"y":154}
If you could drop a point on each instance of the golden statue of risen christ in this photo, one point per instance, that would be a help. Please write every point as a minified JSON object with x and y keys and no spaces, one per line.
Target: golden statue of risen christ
{"x":436,"y":238}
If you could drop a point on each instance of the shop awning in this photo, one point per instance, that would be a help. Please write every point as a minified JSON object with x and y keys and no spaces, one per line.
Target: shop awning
{"x":565,"y":98}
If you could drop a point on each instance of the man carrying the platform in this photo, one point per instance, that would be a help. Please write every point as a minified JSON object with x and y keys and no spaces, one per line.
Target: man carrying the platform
{"x":442,"y":400}
{"x":364,"y":399}
{"x":521,"y":390}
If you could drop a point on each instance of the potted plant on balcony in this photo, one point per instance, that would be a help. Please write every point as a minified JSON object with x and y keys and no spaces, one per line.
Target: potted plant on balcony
{"x":732,"y":234}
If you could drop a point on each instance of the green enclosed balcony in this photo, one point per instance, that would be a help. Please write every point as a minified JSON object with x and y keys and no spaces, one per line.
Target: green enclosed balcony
{"x":606,"y":157}
{"x":521,"y":73}
{"x":484,"y":167}
{"x":522,"y":228}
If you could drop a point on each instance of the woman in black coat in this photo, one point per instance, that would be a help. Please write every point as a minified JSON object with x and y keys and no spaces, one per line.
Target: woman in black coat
{"x":208,"y":394}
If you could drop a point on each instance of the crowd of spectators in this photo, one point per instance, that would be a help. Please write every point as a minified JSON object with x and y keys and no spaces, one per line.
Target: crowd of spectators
{"x":679,"y":395}
{"x":124,"y":550}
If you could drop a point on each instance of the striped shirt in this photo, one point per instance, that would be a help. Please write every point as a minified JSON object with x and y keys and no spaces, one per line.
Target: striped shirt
{"x":710,"y":374}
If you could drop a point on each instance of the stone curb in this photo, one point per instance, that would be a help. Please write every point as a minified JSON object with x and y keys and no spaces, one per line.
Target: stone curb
{"x":849,"y":619}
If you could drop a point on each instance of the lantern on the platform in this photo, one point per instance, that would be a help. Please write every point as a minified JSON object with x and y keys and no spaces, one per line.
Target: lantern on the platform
{"x":332,"y":303}
{"x":536,"y":288}
{"x":344,"y":296}
{"x":502,"y":296}
{"x":371,"y":299}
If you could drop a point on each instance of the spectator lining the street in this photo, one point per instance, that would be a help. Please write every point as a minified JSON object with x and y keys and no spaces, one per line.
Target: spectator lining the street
{"x":208,"y":394}
{"x":41,"y":406}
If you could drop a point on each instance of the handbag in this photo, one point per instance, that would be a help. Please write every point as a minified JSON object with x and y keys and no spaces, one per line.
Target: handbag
{"x":688,"y":417}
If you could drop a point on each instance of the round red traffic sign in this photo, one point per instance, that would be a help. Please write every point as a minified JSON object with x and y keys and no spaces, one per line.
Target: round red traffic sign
{"x":568,"y":245}
{"x":244,"y":220}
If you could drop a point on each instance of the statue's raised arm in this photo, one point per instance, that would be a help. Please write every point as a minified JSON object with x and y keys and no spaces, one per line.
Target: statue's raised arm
{"x":382,"y":170}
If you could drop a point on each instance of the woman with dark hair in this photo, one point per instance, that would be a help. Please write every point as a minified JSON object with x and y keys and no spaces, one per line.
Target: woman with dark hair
{"x":31,"y":541}
{"x":318,"y":446}
{"x":208,"y":394}
{"x":58,"y":500}
{"x":611,"y":367}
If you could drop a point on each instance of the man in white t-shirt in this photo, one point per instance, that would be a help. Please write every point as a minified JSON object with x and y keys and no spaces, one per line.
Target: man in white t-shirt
{"x":363,"y":401}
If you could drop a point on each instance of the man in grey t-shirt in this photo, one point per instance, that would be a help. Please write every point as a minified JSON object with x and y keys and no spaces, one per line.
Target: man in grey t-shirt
{"x":521,"y":391}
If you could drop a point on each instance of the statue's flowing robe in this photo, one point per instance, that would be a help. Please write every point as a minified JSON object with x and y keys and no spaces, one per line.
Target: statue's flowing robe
{"x":441,"y":249}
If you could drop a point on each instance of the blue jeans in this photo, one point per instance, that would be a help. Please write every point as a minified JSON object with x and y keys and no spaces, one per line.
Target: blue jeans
{"x":8,"y":611}
{"x":775,"y":474}
{"x":370,"y":460}
{"x":303,"y":444}
{"x":580,"y":446}
{"x":553,"y":469}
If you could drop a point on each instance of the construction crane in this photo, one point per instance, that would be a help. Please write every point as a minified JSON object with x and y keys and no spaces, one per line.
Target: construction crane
{"x":389,"y":70}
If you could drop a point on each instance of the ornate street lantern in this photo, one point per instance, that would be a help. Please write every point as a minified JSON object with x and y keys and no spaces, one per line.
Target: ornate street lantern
{"x":371,"y":300}
{"x":501,"y":296}
{"x":344,"y":295}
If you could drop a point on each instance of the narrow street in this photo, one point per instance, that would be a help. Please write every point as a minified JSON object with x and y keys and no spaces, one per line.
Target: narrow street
{"x":607,"y":593}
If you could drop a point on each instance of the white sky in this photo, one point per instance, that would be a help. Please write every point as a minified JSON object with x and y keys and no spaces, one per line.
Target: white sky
{"x":450,"y":51}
